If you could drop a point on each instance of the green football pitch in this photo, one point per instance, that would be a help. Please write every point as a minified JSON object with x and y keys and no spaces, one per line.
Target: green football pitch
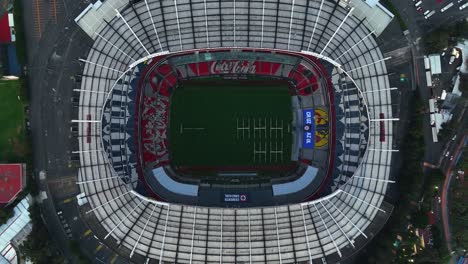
{"x":230,"y":124}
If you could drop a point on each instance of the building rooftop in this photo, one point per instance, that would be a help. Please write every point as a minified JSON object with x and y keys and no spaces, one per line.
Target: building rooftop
{"x":14,"y":229}
{"x":11,"y":181}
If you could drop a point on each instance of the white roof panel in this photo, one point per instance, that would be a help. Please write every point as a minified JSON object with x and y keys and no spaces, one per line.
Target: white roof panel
{"x":16,"y":223}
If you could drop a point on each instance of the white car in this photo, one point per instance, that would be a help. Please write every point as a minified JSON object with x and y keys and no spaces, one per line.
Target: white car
{"x":451,"y":157}
{"x":452,"y":59}
{"x":447,"y":153}
{"x":429,"y":15}
{"x":454,"y":137}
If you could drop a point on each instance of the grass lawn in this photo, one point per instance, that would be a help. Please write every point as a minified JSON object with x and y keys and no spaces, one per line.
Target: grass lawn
{"x":12,"y":133}
{"x":230,"y":123}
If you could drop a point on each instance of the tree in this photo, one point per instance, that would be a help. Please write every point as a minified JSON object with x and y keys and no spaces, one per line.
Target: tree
{"x":460,"y":31}
{"x":5,"y":214}
{"x":444,"y":36}
{"x":75,"y":249}
{"x":38,"y":248}
{"x":464,"y":81}
{"x":459,"y":214}
{"x":437,"y":40}
{"x":447,"y":130}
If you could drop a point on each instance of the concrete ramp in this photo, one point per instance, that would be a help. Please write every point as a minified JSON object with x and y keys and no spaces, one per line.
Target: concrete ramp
{"x":93,"y":19}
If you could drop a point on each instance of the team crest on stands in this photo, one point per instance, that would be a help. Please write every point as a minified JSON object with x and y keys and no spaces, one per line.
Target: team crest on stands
{"x":321,"y":128}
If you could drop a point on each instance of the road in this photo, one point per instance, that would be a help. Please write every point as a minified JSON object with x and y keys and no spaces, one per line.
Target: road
{"x":447,"y":162}
{"x":54,"y":44}
{"x":416,"y":29}
{"x":47,"y":108}
{"x":447,"y":166}
{"x":418,"y":26}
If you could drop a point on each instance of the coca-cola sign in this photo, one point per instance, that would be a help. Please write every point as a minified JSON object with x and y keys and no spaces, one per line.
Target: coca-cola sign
{"x":232,"y":67}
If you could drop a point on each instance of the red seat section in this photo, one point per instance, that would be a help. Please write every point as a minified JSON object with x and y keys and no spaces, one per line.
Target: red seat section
{"x":204,"y":68}
{"x":164,"y":69}
{"x":263,"y":67}
{"x":164,"y":88}
{"x":313,"y":82}
{"x":302,"y":83}
{"x":154,"y":120}
{"x":194,"y":68}
{"x":162,"y":79}
{"x":382,"y":128}
{"x":275,"y":68}
{"x":171,"y":79}
{"x":308,"y":73}
{"x":148,"y":129}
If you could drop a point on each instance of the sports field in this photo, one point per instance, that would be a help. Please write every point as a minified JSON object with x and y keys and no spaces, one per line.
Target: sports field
{"x":225,"y":124}
{"x":12,"y":133}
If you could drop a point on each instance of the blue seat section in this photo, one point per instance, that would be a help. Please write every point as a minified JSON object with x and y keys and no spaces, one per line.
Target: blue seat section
{"x":297,"y":185}
{"x":174,"y":186}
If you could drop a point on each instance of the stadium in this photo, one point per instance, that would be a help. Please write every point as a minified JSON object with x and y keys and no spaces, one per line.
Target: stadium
{"x":234,"y":131}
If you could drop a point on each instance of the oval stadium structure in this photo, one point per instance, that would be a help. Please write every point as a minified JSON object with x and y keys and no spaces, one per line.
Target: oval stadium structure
{"x":233,"y":131}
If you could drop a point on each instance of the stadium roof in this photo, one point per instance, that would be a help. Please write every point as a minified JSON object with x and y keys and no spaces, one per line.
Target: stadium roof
{"x":324,"y":230}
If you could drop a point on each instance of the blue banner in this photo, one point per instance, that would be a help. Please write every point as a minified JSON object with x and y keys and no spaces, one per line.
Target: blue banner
{"x":308,"y":138}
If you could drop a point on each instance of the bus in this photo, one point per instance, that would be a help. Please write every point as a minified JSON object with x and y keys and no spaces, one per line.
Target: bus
{"x":427,"y":64}
{"x":428,"y":79}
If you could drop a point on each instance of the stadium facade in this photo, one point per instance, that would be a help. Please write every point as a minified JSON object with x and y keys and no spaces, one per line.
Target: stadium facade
{"x":324,"y":210}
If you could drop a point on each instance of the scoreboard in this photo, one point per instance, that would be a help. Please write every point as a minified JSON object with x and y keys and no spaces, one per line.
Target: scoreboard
{"x":308,"y":140}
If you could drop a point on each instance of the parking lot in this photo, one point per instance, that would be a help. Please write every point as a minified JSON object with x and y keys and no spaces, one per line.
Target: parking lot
{"x":437,"y":12}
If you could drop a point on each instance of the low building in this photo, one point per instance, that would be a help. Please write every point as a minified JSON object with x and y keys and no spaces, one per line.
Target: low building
{"x":377,"y":17}
{"x":8,"y":60}
{"x":425,"y":237}
{"x":12,"y":182}
{"x":434,"y":61}
{"x":15,"y":231}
